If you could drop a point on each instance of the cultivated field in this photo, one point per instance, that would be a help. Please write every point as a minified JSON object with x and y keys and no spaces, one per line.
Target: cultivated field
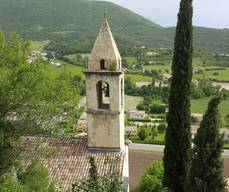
{"x":132,"y":102}
{"x":140,"y":159}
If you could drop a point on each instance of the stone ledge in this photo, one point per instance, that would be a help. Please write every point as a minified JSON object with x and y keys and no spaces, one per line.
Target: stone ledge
{"x":87,"y":72}
{"x":103,"y":111}
{"x":102,"y":149}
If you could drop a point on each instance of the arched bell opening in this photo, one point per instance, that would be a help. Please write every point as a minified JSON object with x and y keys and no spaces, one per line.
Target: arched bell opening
{"x":102,"y":64}
{"x":103,"y":95}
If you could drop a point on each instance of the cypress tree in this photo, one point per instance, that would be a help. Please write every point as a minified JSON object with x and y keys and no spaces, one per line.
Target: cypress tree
{"x":93,"y":175}
{"x":206,"y":174}
{"x":178,"y":135}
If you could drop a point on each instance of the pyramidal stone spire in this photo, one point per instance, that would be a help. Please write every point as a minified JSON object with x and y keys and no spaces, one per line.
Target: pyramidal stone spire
{"x":104,"y":47}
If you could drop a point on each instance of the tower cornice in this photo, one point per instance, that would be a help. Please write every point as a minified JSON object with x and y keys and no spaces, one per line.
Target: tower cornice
{"x":110,"y":73}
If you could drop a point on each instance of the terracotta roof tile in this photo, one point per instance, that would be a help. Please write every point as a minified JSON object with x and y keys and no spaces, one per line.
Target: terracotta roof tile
{"x":66,"y":158}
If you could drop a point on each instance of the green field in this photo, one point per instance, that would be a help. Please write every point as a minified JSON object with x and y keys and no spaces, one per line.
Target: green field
{"x":72,"y":69}
{"x":159,"y":139}
{"x":131,"y":60}
{"x":200,"y":106}
{"x":38,"y":45}
{"x":139,"y":78}
{"x":131,"y":102}
{"x":223,"y":75}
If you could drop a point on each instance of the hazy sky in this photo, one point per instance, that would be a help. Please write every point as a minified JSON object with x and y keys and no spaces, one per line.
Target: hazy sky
{"x":208,"y":13}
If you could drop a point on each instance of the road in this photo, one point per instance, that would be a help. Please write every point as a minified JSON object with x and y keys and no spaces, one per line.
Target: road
{"x":157,"y":148}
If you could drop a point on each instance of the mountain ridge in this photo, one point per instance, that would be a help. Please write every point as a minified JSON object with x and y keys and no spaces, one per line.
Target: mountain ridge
{"x":73,"y":21}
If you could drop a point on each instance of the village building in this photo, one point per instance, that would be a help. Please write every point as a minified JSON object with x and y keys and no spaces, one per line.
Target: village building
{"x":194,"y":129}
{"x":151,"y":53}
{"x":36,"y":55}
{"x":197,"y":116}
{"x":151,"y":62}
{"x":67,"y":158}
{"x":81,"y":125}
{"x":134,"y":114}
{"x":225,"y":131}
{"x":131,"y":130}
{"x":166,"y":77}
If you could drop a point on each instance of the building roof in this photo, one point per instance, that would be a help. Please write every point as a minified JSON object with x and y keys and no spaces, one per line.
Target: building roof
{"x":131,"y":128}
{"x":225,"y":131}
{"x":194,"y":128}
{"x":136,"y":112}
{"x":199,"y":115}
{"x":67,"y":159}
{"x":105,"y":46}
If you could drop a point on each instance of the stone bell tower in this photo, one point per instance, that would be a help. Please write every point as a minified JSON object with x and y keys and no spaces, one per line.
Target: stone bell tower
{"x":105,"y":93}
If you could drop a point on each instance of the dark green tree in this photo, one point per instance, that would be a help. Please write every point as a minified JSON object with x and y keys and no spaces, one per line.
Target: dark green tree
{"x":110,"y":182}
{"x":33,"y":96}
{"x":178,"y":140}
{"x":154,"y":132}
{"x":33,"y":178}
{"x":151,"y":181}
{"x":206,"y":173}
{"x":142,"y":134}
{"x":93,"y":184}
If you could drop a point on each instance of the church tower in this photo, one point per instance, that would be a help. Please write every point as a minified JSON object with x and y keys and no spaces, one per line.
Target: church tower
{"x":105,"y":93}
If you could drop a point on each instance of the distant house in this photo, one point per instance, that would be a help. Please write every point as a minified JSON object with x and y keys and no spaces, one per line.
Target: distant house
{"x":82,"y":123}
{"x":194,"y":129}
{"x":37,"y":54}
{"x":131,"y":130}
{"x":197,"y":116}
{"x":225,"y":131}
{"x":166,"y":77}
{"x":151,"y":53}
{"x":151,"y":62}
{"x":134,"y":114}
{"x":57,"y":65}
{"x":85,"y":55}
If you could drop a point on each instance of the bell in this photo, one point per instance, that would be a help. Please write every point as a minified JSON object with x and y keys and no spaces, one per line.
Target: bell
{"x":107,"y":94}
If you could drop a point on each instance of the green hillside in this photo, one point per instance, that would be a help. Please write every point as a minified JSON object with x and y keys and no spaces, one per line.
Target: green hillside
{"x":207,"y":38}
{"x":74,"y":24}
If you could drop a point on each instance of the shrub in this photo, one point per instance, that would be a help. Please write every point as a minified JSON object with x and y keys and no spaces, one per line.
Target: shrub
{"x":35,"y":177}
{"x":216,"y":73}
{"x":161,"y":128}
{"x":151,"y":181}
{"x":154,"y":133}
{"x":9,"y":184}
{"x":142,"y":134}
{"x":157,"y":108}
{"x":112,"y":66}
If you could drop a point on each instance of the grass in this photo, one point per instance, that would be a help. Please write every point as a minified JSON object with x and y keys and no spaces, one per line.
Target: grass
{"x":223,"y":74}
{"x":132,"y":102}
{"x":226,"y":146}
{"x":72,"y":69}
{"x":131,"y":60}
{"x":163,"y":68}
{"x":159,"y":139}
{"x":38,"y":45}
{"x":139,"y":78}
{"x":200,"y":106}
{"x":75,"y":70}
{"x":197,"y":65}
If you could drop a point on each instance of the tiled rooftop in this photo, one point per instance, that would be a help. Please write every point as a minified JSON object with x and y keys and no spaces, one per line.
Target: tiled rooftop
{"x":67,"y":158}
